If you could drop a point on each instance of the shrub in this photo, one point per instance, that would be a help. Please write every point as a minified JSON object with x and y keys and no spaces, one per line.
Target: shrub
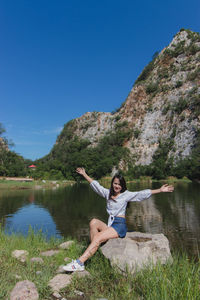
{"x":146,"y":72}
{"x":181,"y":105}
{"x":151,"y":88}
{"x":166,"y":109}
{"x":136,"y":133}
{"x":117,"y":118}
{"x":194,"y":75}
{"x":179,"y":84}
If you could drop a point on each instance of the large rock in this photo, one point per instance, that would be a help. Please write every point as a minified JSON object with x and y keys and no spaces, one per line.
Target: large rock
{"x":24,"y":290}
{"x":59,"y":282}
{"x":137,"y":250}
{"x":66,"y":245}
{"x":21,"y":255}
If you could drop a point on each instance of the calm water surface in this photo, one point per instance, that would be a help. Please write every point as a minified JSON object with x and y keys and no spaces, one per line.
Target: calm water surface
{"x":67,"y":211}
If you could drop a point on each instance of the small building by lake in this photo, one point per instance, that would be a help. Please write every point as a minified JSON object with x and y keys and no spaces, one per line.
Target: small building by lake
{"x":32,"y":167}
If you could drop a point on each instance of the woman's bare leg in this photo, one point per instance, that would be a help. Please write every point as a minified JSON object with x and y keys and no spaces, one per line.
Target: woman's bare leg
{"x":95,"y":227}
{"x":98,"y":238}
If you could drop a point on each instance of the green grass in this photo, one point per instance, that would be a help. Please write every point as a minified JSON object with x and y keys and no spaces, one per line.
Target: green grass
{"x":179,"y":280}
{"x":17,"y":185}
{"x":21,"y":185}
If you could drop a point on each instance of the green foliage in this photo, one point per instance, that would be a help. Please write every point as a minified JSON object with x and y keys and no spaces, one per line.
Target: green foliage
{"x":68,"y":130}
{"x":181,"y":48}
{"x":193,"y":36}
{"x":166,"y":108}
{"x":136,"y":132}
{"x":195,"y":75}
{"x":117,"y":118}
{"x":164,"y":88}
{"x":192,"y":49}
{"x":121,"y":124}
{"x":195,"y":105}
{"x":179,"y":84}
{"x":70,"y":153}
{"x":176,"y":280}
{"x":190,"y":166}
{"x":161,"y":165}
{"x":147,"y":70}
{"x":181,"y":105}
{"x":11,"y":164}
{"x":2,"y":129}
{"x":163,"y":73}
{"x":152,"y":88}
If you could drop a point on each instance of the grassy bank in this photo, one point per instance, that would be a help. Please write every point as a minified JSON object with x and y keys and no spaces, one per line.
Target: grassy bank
{"x":39,"y":184}
{"x":179,"y":280}
{"x":169,"y":179}
{"x":35,"y":184}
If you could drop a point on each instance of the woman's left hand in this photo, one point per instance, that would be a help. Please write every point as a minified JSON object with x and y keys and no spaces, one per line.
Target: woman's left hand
{"x":166,"y":188}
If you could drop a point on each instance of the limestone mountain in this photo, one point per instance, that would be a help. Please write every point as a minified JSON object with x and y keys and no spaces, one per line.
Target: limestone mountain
{"x":158,"y":122}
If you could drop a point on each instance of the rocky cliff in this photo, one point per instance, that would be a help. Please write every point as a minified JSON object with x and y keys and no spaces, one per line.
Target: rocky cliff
{"x":162,"y":108}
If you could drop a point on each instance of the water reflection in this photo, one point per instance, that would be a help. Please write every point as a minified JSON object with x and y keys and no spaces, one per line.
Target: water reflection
{"x":32,"y":217}
{"x":67,"y":212}
{"x":176,"y":215}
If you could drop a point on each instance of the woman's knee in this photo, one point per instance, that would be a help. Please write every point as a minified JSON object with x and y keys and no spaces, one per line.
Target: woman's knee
{"x":98,"y":239}
{"x":93,"y":222}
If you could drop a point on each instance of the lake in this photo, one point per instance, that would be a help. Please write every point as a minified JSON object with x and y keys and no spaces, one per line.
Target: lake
{"x":66,"y":212}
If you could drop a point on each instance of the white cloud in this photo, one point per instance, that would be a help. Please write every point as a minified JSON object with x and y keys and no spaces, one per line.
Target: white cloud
{"x":56,"y":130}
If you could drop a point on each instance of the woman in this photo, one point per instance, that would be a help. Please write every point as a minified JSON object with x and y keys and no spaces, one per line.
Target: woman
{"x":117,"y":199}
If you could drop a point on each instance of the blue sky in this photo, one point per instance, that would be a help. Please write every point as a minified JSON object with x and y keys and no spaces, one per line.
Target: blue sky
{"x":60,"y":59}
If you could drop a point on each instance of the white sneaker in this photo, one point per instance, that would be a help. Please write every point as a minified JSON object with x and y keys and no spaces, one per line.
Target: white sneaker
{"x":73,"y":267}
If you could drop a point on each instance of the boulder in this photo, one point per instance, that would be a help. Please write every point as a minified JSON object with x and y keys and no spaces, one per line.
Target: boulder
{"x":21,"y":255}
{"x":137,"y":250}
{"x":81,"y":274}
{"x":66,"y":245}
{"x":37,"y":260}
{"x":24,"y":290}
{"x":59,"y":282}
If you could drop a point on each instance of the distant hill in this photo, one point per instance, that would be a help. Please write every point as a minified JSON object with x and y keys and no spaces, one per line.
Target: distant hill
{"x":155,"y":132}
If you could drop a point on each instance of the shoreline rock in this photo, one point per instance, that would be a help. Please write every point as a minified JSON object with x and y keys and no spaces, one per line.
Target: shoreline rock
{"x":137,"y":251}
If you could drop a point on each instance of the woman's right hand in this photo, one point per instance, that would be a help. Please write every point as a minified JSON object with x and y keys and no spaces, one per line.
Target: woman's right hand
{"x":81,"y":171}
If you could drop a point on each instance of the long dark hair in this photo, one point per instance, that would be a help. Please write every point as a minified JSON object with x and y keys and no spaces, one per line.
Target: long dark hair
{"x":122,"y":183}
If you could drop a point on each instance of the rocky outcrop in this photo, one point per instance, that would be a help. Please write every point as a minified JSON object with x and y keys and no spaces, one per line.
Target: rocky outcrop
{"x":137,"y":251}
{"x":162,"y":105}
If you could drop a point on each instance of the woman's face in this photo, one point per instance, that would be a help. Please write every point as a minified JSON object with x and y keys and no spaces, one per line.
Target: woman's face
{"x":116,"y":186}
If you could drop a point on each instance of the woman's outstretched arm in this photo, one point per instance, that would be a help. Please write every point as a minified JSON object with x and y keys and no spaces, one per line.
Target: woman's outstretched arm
{"x":164,"y":189}
{"x":82,"y":172}
{"x":97,"y":188}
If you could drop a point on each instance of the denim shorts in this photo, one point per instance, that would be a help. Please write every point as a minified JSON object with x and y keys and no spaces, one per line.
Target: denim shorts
{"x":119,"y":224}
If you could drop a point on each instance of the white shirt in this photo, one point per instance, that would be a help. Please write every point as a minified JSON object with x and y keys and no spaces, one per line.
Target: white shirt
{"x":117,"y":207}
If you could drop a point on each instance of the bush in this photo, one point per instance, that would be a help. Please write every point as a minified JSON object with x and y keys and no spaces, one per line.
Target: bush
{"x":179,"y":84}
{"x":136,"y":132}
{"x":194,"y":75}
{"x":181,"y":105}
{"x":151,"y":88}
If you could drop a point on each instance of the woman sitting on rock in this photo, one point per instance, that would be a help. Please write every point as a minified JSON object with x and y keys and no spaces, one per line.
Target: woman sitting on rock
{"x":117,"y":199}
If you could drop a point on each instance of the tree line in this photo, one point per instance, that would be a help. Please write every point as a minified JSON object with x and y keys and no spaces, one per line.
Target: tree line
{"x":72,"y":151}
